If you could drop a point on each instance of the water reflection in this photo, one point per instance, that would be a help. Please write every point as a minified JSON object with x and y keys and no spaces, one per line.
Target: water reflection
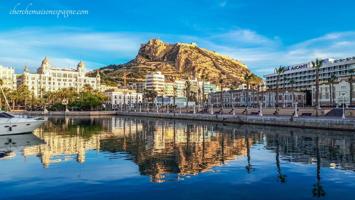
{"x":171,"y":150}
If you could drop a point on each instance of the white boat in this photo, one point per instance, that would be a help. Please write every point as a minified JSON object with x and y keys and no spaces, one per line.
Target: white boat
{"x":10,"y":124}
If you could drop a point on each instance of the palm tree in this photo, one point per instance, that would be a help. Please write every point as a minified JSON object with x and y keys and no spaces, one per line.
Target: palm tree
{"x":292,"y":82}
{"x":247,"y":78}
{"x":221,"y":81}
{"x":317,"y":65}
{"x":351,"y":81}
{"x":174,"y":97}
{"x":203,"y":77}
{"x":149,"y":96}
{"x":279,"y":71}
{"x":187,"y":92}
{"x":1,"y":84}
{"x":3,"y":94}
{"x":331,"y":82}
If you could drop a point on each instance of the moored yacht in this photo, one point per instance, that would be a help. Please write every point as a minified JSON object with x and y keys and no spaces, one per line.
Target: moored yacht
{"x":10,"y":124}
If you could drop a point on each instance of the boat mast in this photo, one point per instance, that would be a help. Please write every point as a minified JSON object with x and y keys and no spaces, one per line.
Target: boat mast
{"x":6,"y":102}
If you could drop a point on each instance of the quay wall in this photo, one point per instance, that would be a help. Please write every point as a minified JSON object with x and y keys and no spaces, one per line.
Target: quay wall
{"x":299,"y":122}
{"x":61,"y":113}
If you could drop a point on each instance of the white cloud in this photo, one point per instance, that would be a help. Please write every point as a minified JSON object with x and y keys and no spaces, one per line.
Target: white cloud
{"x":66,"y":46}
{"x":263,"y":54}
{"x":223,"y":3}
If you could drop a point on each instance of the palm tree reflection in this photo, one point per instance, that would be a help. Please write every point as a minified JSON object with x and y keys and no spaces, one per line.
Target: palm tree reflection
{"x":281,"y":177}
{"x":249,"y":167}
{"x":318,"y":190}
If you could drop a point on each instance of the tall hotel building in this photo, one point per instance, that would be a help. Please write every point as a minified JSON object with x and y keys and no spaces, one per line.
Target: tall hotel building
{"x":8,"y":77}
{"x":304,"y":76}
{"x":50,"y":79}
{"x":155,"y":81}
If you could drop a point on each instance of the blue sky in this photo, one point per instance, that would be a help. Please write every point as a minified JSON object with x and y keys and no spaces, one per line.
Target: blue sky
{"x":263,"y":34}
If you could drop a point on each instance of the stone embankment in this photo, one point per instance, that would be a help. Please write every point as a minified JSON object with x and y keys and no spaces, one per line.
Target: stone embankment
{"x":331,"y":123}
{"x":61,"y":113}
{"x":300,"y":122}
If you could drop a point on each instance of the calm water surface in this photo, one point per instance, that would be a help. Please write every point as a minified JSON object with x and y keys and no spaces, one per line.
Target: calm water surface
{"x":128,"y":158}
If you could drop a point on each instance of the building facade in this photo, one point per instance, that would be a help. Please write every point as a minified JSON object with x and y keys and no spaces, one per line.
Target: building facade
{"x":304,"y":76}
{"x":155,"y":81}
{"x":337,"y":93}
{"x":123,"y":97}
{"x":253,"y":98}
{"x":50,"y":79}
{"x":8,"y":77}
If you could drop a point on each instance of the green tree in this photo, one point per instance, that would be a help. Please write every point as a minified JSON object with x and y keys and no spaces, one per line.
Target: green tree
{"x":23,"y":95}
{"x":88,"y":100}
{"x":149,"y":95}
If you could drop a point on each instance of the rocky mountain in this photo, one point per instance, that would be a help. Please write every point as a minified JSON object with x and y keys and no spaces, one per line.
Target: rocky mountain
{"x":178,"y":61}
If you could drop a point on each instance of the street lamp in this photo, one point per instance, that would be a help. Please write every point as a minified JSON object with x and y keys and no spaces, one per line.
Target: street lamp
{"x":65,"y":103}
{"x":343,"y":95}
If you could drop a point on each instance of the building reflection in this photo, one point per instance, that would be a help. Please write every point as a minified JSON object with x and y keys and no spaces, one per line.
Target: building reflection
{"x":171,"y":150}
{"x":166,"y":150}
{"x":66,"y":139}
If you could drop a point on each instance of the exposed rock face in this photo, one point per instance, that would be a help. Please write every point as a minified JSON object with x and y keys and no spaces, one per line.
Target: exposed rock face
{"x":178,"y":61}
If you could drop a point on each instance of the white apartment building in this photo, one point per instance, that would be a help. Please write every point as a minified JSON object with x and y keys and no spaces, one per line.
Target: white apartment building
{"x":8,"y":76}
{"x":50,"y":79}
{"x":180,"y":88}
{"x":155,"y":81}
{"x":336,"y":94}
{"x":123,"y":97}
{"x":304,"y":76}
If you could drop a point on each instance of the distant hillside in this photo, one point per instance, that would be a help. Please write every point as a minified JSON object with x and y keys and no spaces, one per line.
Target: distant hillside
{"x":178,"y":61}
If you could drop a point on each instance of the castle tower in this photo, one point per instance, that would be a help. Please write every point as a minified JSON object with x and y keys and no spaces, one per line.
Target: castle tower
{"x":45,"y":66}
{"x":81,"y":68}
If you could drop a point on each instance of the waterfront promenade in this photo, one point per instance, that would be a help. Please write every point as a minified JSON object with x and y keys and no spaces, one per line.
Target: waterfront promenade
{"x":285,"y":118}
{"x":331,"y":123}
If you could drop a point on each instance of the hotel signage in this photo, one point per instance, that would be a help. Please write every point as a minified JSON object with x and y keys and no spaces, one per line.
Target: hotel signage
{"x":295,"y":67}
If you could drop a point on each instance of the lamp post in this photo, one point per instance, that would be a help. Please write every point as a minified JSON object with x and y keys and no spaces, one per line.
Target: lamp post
{"x":174,"y":98}
{"x":65,"y":103}
{"x":296,"y":109}
{"x":343,"y":117}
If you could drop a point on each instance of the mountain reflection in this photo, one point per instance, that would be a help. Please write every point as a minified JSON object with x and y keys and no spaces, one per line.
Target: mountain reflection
{"x":170,"y":150}
{"x":162,"y":148}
